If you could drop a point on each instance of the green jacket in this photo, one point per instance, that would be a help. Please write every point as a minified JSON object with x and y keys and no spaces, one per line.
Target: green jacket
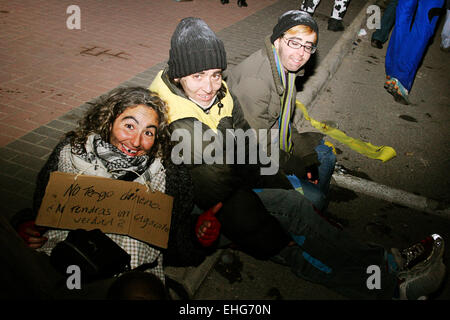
{"x":258,"y":86}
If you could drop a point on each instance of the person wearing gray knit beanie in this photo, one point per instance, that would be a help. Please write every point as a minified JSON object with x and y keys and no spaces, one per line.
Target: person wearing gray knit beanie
{"x":201,"y":105}
{"x":194,"y":48}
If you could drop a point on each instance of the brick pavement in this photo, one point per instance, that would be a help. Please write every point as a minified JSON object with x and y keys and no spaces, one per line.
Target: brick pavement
{"x":48,"y":69}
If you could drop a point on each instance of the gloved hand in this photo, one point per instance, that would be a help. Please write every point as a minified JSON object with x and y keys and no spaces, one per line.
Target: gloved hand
{"x":31,"y":234}
{"x":207,"y":228}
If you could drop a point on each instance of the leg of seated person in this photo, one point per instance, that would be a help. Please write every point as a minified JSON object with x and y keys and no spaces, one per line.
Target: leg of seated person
{"x":247,"y":223}
{"x":324,"y":254}
{"x":314,"y":194}
{"x":327,"y":161}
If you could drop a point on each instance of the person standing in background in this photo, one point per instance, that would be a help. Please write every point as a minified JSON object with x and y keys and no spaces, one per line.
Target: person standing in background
{"x":335,"y":20}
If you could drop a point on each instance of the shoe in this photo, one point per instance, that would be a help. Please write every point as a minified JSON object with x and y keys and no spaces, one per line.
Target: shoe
{"x":376,"y":44}
{"x":421,"y":269}
{"x":224,"y":1}
{"x":242,"y":3}
{"x":394,"y":87}
{"x":445,"y":49}
{"x":335,"y":25}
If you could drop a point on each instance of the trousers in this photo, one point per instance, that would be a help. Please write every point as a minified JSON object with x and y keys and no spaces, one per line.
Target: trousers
{"x":387,"y":22}
{"x":415,"y":24}
{"x":318,"y":194}
{"x":324,"y":253}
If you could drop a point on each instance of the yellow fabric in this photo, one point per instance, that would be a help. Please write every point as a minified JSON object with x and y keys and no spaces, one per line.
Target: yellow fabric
{"x":180,"y":107}
{"x":383,"y":153}
{"x":328,"y":143}
{"x":300,"y":189}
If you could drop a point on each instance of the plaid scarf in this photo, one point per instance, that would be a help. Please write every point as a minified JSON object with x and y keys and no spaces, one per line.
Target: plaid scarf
{"x":118,"y":163}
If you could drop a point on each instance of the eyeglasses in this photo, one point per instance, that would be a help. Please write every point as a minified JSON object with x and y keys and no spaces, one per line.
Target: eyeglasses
{"x":295,"y":44}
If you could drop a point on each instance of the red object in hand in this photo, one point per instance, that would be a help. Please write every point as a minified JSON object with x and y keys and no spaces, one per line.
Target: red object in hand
{"x":31,"y":234}
{"x":23,"y":230}
{"x":208,"y":226}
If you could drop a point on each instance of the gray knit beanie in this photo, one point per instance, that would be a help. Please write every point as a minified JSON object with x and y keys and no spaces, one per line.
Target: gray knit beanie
{"x":291,"y":19}
{"x":194,"y":48}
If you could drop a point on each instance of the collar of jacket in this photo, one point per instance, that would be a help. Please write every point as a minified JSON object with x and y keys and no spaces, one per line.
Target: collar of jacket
{"x":170,"y":85}
{"x":273,"y":66}
{"x":179,"y":92}
{"x":175,"y":98}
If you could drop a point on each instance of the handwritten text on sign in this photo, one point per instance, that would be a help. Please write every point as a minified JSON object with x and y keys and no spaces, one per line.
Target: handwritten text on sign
{"x":110,"y":205}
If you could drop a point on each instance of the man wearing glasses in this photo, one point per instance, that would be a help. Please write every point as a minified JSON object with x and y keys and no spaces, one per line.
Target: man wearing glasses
{"x":264,"y":83}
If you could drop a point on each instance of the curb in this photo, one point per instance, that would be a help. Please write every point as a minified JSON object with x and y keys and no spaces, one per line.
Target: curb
{"x":380,"y":191}
{"x":192,"y":277}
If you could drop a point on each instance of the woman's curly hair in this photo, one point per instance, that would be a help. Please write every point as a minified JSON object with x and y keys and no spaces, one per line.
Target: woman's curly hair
{"x":100,"y":118}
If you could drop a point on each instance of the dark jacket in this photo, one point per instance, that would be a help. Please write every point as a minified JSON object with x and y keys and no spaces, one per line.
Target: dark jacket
{"x":244,"y":219}
{"x":259,"y":88}
{"x":214,"y":182}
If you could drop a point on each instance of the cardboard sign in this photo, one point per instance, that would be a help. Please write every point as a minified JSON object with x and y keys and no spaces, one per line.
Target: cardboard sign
{"x":113,"y":206}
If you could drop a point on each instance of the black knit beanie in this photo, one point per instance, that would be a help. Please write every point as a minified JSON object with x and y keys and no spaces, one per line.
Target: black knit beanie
{"x":194,"y":48}
{"x":291,"y":19}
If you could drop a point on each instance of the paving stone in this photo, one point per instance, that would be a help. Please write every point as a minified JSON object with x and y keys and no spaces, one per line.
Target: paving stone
{"x":49,"y":143}
{"x":29,"y":148}
{"x":28,"y":161}
{"x":33,"y":137}
{"x":60,"y":125}
{"x":10,"y":168}
{"x":49,"y":132}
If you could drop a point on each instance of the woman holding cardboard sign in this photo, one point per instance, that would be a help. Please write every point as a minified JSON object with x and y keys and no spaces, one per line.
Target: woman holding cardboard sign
{"x":124,"y":136}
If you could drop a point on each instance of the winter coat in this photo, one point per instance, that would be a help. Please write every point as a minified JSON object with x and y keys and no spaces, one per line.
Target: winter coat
{"x":258,"y":86}
{"x":244,"y":219}
{"x":213,"y":182}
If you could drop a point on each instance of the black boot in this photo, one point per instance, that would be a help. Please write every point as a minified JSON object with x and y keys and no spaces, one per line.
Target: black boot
{"x":224,"y":1}
{"x":335,"y":25}
{"x":376,"y":44}
{"x":242,"y":3}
